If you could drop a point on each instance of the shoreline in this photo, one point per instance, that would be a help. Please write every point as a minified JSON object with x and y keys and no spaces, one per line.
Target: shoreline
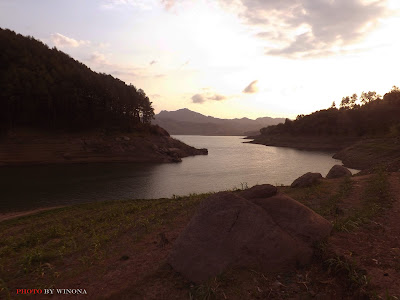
{"x":40,"y":148}
{"x":354,"y":152}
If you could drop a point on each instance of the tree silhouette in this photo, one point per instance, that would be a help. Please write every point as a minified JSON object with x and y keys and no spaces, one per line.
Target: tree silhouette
{"x":46,"y":88}
{"x":374,"y":116}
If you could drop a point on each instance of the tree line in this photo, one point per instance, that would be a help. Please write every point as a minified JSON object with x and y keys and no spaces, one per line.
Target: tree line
{"x":46,"y":88}
{"x":369,"y":114}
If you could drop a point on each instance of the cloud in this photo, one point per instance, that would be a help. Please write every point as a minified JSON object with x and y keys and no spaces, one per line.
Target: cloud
{"x":251,"y":88}
{"x":198,"y":98}
{"x":217,"y":97}
{"x":98,"y":58}
{"x":201,"y":98}
{"x":61,"y":41}
{"x":138,"y":4}
{"x":297,"y":28}
{"x":168,"y":4}
{"x":184,"y":64}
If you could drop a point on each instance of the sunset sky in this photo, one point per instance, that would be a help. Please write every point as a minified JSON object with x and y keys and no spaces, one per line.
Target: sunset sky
{"x":226,"y":58}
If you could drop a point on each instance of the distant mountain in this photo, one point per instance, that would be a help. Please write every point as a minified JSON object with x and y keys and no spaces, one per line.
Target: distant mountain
{"x":185,"y":121}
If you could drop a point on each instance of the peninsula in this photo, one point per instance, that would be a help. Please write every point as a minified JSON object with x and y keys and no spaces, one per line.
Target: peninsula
{"x":54,"y":109}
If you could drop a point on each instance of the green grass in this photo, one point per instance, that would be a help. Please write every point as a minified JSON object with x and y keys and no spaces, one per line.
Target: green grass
{"x":375,"y":197}
{"x":323,"y":198}
{"x":352,"y":274}
{"x":35,"y":249}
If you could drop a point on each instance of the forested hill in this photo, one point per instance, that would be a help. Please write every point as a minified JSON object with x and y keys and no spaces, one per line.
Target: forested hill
{"x":369,"y":115}
{"x":365,"y":131}
{"x":47,"y":89}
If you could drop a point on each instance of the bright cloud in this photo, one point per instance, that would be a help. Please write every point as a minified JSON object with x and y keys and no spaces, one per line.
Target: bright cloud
{"x":139,"y":4}
{"x":61,"y":41}
{"x":98,"y":58}
{"x":168,"y":4}
{"x":201,"y":98}
{"x":298,"y":28}
{"x":251,"y":88}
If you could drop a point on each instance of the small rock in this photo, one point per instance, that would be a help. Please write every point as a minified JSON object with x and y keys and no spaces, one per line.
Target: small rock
{"x":306,"y":180}
{"x":126,"y":138}
{"x":338,"y":171}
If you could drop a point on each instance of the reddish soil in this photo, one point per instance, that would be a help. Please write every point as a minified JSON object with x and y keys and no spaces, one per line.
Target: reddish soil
{"x":139,"y":270}
{"x":376,"y":247}
{"x":125,"y":273}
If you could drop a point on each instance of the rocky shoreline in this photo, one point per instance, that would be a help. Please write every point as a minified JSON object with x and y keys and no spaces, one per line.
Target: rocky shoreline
{"x":311,"y":143}
{"x":354,"y":152}
{"x":35,"y":148}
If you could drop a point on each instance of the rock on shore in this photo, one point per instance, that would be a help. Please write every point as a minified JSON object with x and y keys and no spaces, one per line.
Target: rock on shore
{"x":338,"y":171}
{"x":307,"y":180}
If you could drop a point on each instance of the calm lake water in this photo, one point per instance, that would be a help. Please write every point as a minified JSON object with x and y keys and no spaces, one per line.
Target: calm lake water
{"x":230,"y":164}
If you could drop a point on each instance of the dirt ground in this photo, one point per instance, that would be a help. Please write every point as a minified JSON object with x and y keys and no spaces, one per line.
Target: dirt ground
{"x":376,"y":246}
{"x":358,"y":263}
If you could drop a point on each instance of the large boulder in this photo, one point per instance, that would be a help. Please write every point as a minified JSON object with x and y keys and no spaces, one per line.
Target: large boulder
{"x":259,"y":191}
{"x":295,"y":218}
{"x":307,"y":180}
{"x":271,"y":234}
{"x":338,"y":171}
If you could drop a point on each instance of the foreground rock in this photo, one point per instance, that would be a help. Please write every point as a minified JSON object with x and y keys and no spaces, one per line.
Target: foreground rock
{"x":35,"y":147}
{"x":259,"y":191}
{"x":307,"y":180}
{"x":271,"y":234}
{"x":338,"y":171}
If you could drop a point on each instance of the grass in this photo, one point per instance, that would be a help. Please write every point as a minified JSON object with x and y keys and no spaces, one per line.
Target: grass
{"x":375,"y":197}
{"x":55,"y":246}
{"x":323,"y":198}
{"x":355,"y":277}
{"x":36,"y":248}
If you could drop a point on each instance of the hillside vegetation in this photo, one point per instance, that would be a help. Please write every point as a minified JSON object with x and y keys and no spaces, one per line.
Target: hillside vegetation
{"x":47,"y":89}
{"x":365,"y":131}
{"x":54,"y":109}
{"x":369,"y":115}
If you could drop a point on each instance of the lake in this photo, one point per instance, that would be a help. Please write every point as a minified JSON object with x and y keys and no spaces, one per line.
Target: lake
{"x":230,"y":164}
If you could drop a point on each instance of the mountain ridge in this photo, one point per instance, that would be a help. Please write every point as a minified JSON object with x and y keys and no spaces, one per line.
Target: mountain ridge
{"x":186,"y":121}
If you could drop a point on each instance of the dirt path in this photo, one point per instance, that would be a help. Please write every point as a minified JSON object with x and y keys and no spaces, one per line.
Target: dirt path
{"x":375,"y":247}
{"x":13,"y":215}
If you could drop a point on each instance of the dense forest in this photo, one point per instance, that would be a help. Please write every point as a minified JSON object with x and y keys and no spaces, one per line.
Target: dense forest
{"x":367,"y":115}
{"x":45,"y":88}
